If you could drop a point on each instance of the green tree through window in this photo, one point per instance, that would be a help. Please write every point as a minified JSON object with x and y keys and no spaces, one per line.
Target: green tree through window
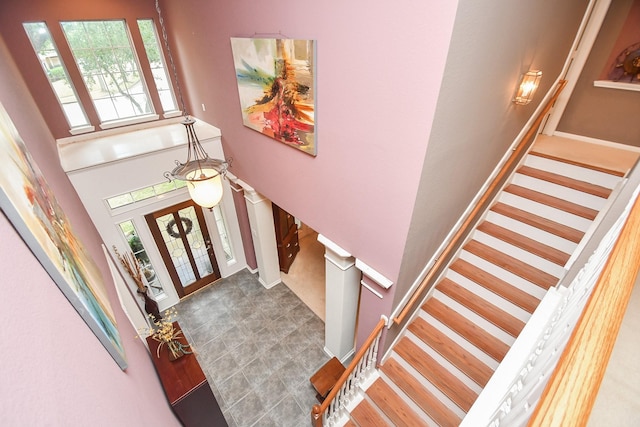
{"x":104,"y":55}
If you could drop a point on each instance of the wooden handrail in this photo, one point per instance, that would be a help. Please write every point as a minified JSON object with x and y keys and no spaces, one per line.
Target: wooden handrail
{"x":573,"y":387}
{"x":457,"y":238}
{"x":318,"y":410}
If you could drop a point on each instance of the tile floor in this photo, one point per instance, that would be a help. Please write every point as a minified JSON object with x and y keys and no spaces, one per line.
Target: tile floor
{"x":258,"y":347}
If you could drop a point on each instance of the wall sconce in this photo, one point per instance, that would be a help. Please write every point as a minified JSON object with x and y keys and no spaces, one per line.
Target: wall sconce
{"x":528,"y":85}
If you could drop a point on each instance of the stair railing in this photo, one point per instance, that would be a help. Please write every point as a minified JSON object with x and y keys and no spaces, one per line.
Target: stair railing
{"x":571,"y":391}
{"x":344,"y":394}
{"x":474,"y":215}
{"x":517,"y":384}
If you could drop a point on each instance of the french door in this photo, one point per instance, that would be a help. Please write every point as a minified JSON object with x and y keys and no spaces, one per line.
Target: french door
{"x":181,"y":234}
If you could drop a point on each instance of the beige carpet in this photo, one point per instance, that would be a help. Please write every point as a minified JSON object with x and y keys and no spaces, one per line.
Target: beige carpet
{"x":306,"y":277}
{"x":615,"y":158}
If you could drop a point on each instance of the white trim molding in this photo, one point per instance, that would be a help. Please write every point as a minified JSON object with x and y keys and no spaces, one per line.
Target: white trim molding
{"x":373,"y":274}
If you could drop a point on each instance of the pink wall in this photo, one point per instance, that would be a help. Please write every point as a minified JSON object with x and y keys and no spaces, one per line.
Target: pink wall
{"x":378,"y":74}
{"x":379,"y":70}
{"x":54,"y":370}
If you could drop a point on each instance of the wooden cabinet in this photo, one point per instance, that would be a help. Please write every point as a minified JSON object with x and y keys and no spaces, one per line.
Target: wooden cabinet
{"x":286,"y":237}
{"x":187,"y":388}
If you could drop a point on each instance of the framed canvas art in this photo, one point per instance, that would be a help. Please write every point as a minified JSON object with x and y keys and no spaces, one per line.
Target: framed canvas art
{"x":622,"y":69}
{"x":276,"y":86}
{"x":28,"y":202}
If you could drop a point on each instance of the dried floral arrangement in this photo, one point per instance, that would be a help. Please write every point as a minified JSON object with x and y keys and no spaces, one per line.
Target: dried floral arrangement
{"x":165,"y":332}
{"x":132,"y":267}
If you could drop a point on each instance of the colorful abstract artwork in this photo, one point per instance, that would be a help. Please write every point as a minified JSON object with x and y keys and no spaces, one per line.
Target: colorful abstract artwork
{"x":276,"y":85}
{"x":30,"y":205}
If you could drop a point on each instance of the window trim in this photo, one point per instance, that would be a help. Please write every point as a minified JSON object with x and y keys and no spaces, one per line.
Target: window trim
{"x":76,"y":78}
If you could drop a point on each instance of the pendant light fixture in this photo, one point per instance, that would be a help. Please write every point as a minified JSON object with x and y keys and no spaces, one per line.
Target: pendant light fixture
{"x":202,"y":174}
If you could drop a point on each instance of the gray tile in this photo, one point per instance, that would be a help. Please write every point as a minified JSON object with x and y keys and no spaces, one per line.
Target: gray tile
{"x":258,"y":347}
{"x":292,"y":374}
{"x":300,"y":315}
{"x":277,"y":356}
{"x":266,"y":421}
{"x":234,"y":388}
{"x":208,"y":332}
{"x":248,"y":410}
{"x":272,"y":391}
{"x":305,"y":395}
{"x":312,"y":358}
{"x":229,"y":418}
{"x":210,"y":351}
{"x":281,"y":327}
{"x":244,"y":353}
{"x":252,"y":320}
{"x":289,"y":414}
{"x":296,"y":342}
{"x":263,"y":339}
{"x":234,"y":336}
{"x":222,"y":368}
{"x":256,"y":372}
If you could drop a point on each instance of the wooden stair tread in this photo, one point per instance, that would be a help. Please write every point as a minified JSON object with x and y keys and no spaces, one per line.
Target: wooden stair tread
{"x":543,"y":251}
{"x":473,"y":367}
{"x":513,"y":265}
{"x":477,"y":336}
{"x":554,"y":202}
{"x":498,"y":286}
{"x":575,"y":162}
{"x":547,"y":225}
{"x":366,"y":415}
{"x":436,"y":374}
{"x":349,"y":423}
{"x":393,"y":406}
{"x":565,"y":181}
{"x":410,"y":385}
{"x":481,"y":307}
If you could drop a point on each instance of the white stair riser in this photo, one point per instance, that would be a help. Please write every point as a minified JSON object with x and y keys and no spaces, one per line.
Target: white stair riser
{"x":474,"y":318}
{"x":520,"y":254}
{"x":444,"y":363}
{"x":572,"y":171}
{"x":559,"y":191}
{"x":429,"y":386}
{"x":502,"y":274}
{"x":546,"y":212}
{"x":532,"y":232}
{"x":489,"y":296}
{"x":475,"y":351}
{"x":406,"y":399}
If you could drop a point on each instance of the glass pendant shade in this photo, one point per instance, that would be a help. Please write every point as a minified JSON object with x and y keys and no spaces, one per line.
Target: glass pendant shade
{"x":202,"y":174}
{"x":206,"y":188}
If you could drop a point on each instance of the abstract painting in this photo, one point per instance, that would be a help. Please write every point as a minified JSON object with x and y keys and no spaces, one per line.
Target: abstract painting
{"x":30,"y":205}
{"x":276,"y":85}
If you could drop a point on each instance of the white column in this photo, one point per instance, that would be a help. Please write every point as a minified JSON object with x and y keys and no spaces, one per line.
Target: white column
{"x":264,"y":236}
{"x":342,"y":292}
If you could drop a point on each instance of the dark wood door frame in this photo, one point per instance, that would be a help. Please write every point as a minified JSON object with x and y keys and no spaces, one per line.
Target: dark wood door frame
{"x":166,"y":256}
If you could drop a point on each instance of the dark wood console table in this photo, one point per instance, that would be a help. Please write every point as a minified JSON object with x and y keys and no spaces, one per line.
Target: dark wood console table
{"x":186,"y":388}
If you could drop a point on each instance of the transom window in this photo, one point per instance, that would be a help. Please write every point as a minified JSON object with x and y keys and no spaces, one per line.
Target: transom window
{"x":112,"y":72}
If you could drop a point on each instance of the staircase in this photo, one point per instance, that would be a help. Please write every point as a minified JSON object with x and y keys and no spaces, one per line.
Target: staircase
{"x":450,"y":349}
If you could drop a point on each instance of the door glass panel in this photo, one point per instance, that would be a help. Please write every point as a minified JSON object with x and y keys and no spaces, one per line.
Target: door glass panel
{"x":199,"y":247}
{"x":173,"y":241}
